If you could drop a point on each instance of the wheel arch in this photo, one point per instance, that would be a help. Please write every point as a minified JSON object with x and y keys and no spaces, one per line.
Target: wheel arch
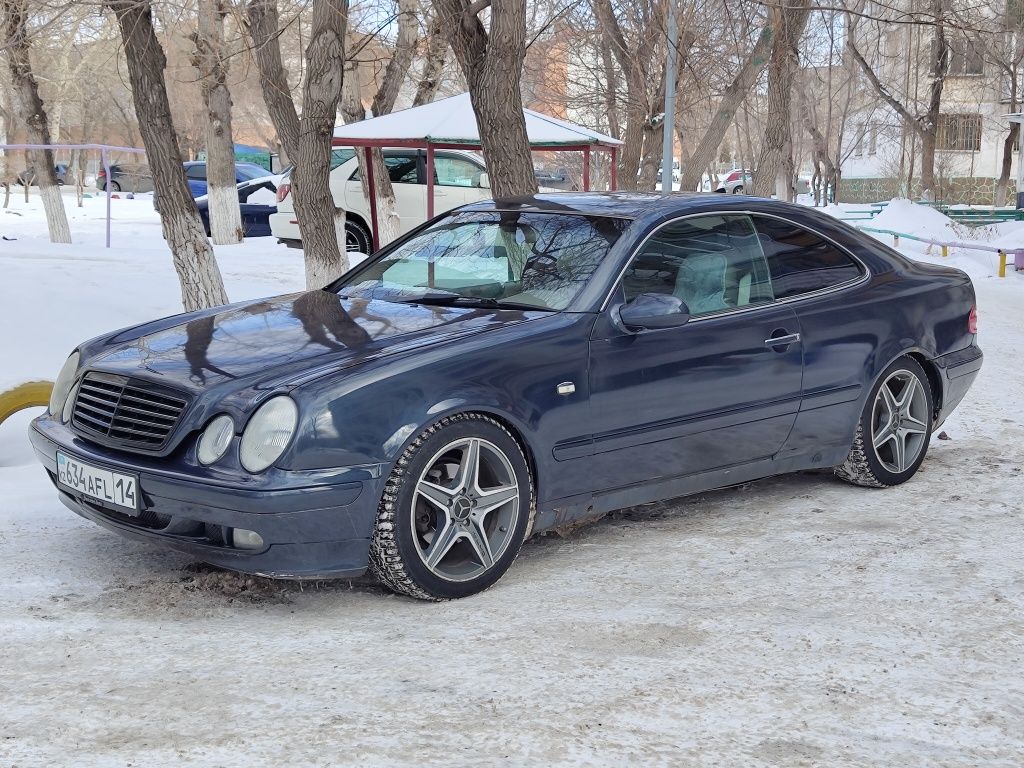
{"x":507,"y":422}
{"x":934,"y":379}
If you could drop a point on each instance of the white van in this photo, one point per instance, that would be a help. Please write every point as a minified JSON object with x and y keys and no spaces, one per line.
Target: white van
{"x":459,"y":178}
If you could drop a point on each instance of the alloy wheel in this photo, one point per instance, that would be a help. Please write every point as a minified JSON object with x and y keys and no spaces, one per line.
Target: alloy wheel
{"x":899,"y":421}
{"x":465,"y":509}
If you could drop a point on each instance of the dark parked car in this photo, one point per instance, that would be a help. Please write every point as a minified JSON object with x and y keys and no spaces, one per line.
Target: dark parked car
{"x":126,"y":177}
{"x":195,"y":172}
{"x":507,"y":368}
{"x":256,"y":201}
{"x":31,"y":178}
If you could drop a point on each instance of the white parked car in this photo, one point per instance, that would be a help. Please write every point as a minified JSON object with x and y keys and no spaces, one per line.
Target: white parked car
{"x":459,"y":178}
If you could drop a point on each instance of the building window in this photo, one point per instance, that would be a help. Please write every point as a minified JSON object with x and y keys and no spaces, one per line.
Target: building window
{"x":959,"y":132}
{"x":965,"y":58}
{"x":873,"y":140}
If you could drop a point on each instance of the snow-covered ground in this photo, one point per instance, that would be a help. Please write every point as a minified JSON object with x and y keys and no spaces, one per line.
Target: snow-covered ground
{"x":795,"y":621}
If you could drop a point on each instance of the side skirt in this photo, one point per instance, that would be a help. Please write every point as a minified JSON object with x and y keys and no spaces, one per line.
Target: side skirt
{"x":569,"y":512}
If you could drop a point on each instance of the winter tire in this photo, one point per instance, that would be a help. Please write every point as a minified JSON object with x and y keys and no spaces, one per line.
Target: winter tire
{"x":894,"y":428}
{"x":738,"y":190}
{"x":115,"y":186}
{"x":455,"y":510}
{"x":357,"y":238}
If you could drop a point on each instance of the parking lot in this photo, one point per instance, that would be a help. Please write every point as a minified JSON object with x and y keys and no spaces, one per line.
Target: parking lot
{"x":794,"y":621}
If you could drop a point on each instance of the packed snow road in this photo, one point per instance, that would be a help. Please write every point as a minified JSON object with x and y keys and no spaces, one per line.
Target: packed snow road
{"x":795,"y":621}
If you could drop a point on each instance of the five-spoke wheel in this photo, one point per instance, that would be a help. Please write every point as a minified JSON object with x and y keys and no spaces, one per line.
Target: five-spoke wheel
{"x":465,"y":508}
{"x":455,"y":510}
{"x":894,"y":429}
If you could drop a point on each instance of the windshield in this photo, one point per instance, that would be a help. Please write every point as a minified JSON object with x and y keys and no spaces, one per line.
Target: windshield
{"x":514,"y":259}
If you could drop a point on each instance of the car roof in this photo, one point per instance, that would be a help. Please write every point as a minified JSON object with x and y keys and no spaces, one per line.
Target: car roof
{"x":632,"y":205}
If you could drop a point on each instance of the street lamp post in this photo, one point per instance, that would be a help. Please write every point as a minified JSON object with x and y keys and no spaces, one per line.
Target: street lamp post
{"x":670,"y":100}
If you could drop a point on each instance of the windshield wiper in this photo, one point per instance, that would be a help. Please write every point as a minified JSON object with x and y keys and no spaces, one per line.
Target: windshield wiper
{"x":458,"y":300}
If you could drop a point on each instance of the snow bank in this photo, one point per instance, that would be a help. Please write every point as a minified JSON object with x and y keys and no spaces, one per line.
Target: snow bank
{"x":55,"y":296}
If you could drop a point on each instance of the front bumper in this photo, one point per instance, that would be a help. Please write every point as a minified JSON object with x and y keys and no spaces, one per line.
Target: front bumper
{"x":313,"y":525}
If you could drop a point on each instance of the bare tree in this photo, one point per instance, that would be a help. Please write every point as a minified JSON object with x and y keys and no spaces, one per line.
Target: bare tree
{"x":922,"y":120}
{"x":635,"y":59}
{"x":388,"y":221}
{"x":435,"y":52}
{"x":210,"y":60}
{"x":492,"y":62}
{"x":194,"y":260}
{"x":307,"y":140}
{"x":775,"y":165}
{"x":31,"y":112}
{"x":703,"y":155}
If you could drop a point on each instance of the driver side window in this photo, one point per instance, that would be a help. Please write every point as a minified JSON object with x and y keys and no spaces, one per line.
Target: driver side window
{"x":711,"y":263}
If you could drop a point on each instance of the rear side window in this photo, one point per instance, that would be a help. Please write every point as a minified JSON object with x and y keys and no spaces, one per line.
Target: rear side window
{"x":800,"y":261}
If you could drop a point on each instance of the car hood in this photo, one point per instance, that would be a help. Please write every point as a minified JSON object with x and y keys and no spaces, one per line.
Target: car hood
{"x":284,"y":338}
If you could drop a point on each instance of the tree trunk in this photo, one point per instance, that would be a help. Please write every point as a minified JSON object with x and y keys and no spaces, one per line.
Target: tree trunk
{"x":704,"y":154}
{"x":194,"y":260}
{"x":388,"y":221}
{"x":611,"y":89}
{"x":210,"y":60}
{"x":31,"y":112}
{"x":433,"y":63}
{"x":307,"y":141}
{"x":929,"y":124}
{"x":775,"y":164}
{"x":635,"y":63}
{"x":492,"y":63}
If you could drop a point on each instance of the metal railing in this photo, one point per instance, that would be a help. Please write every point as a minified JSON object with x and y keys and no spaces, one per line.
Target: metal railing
{"x":1004,"y":253}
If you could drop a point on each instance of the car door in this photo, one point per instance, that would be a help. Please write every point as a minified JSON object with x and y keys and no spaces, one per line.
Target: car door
{"x":406,"y":181}
{"x":721,"y":390}
{"x":817,"y":278}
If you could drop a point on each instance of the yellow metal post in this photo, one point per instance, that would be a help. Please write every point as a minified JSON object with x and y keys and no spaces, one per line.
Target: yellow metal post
{"x":945,"y":251}
{"x":1002,"y":263}
{"x":29,"y":395}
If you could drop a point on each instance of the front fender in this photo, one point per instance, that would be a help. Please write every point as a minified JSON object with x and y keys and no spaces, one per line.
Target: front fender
{"x":370,"y":413}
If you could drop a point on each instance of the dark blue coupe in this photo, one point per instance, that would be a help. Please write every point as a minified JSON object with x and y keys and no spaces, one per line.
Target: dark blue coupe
{"x":508,"y":368}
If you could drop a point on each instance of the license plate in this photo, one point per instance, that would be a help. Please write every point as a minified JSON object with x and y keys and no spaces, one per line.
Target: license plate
{"x":100,"y":484}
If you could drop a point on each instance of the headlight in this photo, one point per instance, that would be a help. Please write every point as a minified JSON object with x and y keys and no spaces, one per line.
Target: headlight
{"x":215,"y":439}
{"x":62,"y":386}
{"x":268,"y":433}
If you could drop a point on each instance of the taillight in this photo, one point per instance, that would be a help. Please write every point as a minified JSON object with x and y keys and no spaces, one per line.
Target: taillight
{"x":282,"y":191}
{"x":972,"y":321}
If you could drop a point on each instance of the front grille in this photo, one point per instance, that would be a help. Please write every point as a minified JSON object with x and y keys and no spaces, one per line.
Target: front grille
{"x":126,"y":412}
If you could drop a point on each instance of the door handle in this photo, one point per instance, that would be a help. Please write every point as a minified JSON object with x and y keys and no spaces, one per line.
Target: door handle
{"x":782,"y":341}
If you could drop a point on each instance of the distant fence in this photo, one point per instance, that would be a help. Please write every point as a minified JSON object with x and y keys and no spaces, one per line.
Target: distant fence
{"x":103,"y":149}
{"x":1004,"y":253}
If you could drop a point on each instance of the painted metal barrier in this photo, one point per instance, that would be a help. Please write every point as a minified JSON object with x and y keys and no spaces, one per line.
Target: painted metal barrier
{"x":31,"y":394}
{"x":1004,"y":253}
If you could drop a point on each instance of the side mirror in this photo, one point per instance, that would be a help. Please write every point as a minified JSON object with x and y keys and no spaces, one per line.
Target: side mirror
{"x":652,"y":311}
{"x":484,"y":181}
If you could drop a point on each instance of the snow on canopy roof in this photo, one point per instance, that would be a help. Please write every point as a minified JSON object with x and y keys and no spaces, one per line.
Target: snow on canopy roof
{"x":452,"y":121}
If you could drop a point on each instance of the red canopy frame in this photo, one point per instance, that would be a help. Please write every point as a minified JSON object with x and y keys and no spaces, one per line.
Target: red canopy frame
{"x":369,"y":144}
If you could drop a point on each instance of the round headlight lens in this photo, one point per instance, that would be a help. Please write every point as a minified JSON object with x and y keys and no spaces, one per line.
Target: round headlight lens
{"x":62,"y":386}
{"x":268,"y":433}
{"x":215,"y":439}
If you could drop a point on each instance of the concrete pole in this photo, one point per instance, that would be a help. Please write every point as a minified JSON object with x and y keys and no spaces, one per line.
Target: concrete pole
{"x":669,"y":125}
